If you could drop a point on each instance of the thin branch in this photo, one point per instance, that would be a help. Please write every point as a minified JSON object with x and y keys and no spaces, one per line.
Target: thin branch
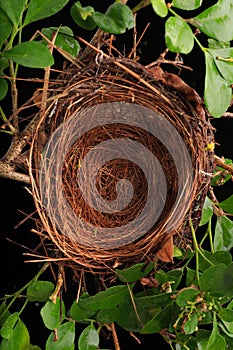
{"x":115,"y":337}
{"x":8,"y":172}
{"x":220,"y":162}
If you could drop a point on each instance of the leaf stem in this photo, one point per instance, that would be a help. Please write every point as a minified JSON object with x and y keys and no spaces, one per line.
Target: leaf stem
{"x":209,"y":230}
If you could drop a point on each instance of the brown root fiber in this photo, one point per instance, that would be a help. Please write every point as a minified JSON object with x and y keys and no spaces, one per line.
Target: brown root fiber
{"x":110,"y":80}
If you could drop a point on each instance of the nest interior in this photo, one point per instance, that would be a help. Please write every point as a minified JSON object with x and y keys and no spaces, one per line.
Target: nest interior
{"x":121,"y":81}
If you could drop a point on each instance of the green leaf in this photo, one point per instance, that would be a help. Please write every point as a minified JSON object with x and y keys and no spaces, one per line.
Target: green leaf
{"x":53,"y":314}
{"x":82,"y":16}
{"x":218,"y":280}
{"x":153,"y":301}
{"x":5,"y":27}
{"x":214,"y":258}
{"x":187,"y":4}
{"x":89,"y":339}
{"x":3,"y":88}
{"x":106,"y":299}
{"x":216,"y":21}
{"x":4,"y":312}
{"x":127,"y":318}
{"x":66,"y":336}
{"x":63,"y":40}
{"x":19,"y":339}
{"x":223,"y":238}
{"x":4,"y":63}
{"x":135,"y":272}
{"x":8,"y":326}
{"x":34,"y":347}
{"x":215,"y":341}
{"x":160,"y":7}
{"x":207,"y":211}
{"x":224,"y":61}
{"x":190,"y":277}
{"x":218,"y":92}
{"x":186,"y":295}
{"x":116,"y":20}
{"x":226,"y":315}
{"x":191,"y":324}
{"x":161,"y":319}
{"x":80,"y":314}
{"x":39,"y":9}
{"x":173,"y":277}
{"x":227,"y":205}
{"x":216,"y":44}
{"x":39,"y":291}
{"x":30,"y":54}
{"x":178,"y":35}
{"x":219,"y":179}
{"x":13,"y":9}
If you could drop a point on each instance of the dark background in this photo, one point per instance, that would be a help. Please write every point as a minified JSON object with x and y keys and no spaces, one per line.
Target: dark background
{"x":15,"y":199}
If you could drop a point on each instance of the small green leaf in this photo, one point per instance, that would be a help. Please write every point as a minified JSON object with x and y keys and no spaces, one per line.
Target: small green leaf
{"x":39,"y":9}
{"x":39,"y":291}
{"x":160,"y":7}
{"x":89,"y":339}
{"x":218,"y":92}
{"x":19,"y":339}
{"x":13,"y":9}
{"x":8,"y":326}
{"x":3,"y":88}
{"x":106,"y":299}
{"x":116,"y":20}
{"x":216,"y":21}
{"x":79,"y":314}
{"x":5,"y":27}
{"x":227,"y":205}
{"x":207,"y":211}
{"x":135,"y":272}
{"x":186,"y":295}
{"x":4,"y":313}
{"x":30,"y":54}
{"x":226,"y":315}
{"x":177,"y":253}
{"x":191,"y":324}
{"x":178,"y":35}
{"x":53,"y":314}
{"x":63,"y":40}
{"x":82,"y":16}
{"x":66,"y":336}
{"x":187,"y":4}
{"x":173,"y":277}
{"x":223,"y":238}
{"x":161,"y":319}
{"x":216,"y":44}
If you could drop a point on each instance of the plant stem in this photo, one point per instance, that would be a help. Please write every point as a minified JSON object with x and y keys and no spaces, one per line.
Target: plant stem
{"x":209,"y":230}
{"x":196,"y":251}
{"x":141,"y":4}
{"x":17,"y":294}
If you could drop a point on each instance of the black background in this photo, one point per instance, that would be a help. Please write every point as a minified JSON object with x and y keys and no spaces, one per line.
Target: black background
{"x":15,"y":272}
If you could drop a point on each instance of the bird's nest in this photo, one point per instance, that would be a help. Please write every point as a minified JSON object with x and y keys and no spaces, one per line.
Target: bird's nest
{"x":121,"y":164}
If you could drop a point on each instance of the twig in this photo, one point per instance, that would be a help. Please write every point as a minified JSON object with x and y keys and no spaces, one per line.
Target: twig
{"x":220,"y":162}
{"x":127,"y":70}
{"x":115,"y":337}
{"x":7,"y":171}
